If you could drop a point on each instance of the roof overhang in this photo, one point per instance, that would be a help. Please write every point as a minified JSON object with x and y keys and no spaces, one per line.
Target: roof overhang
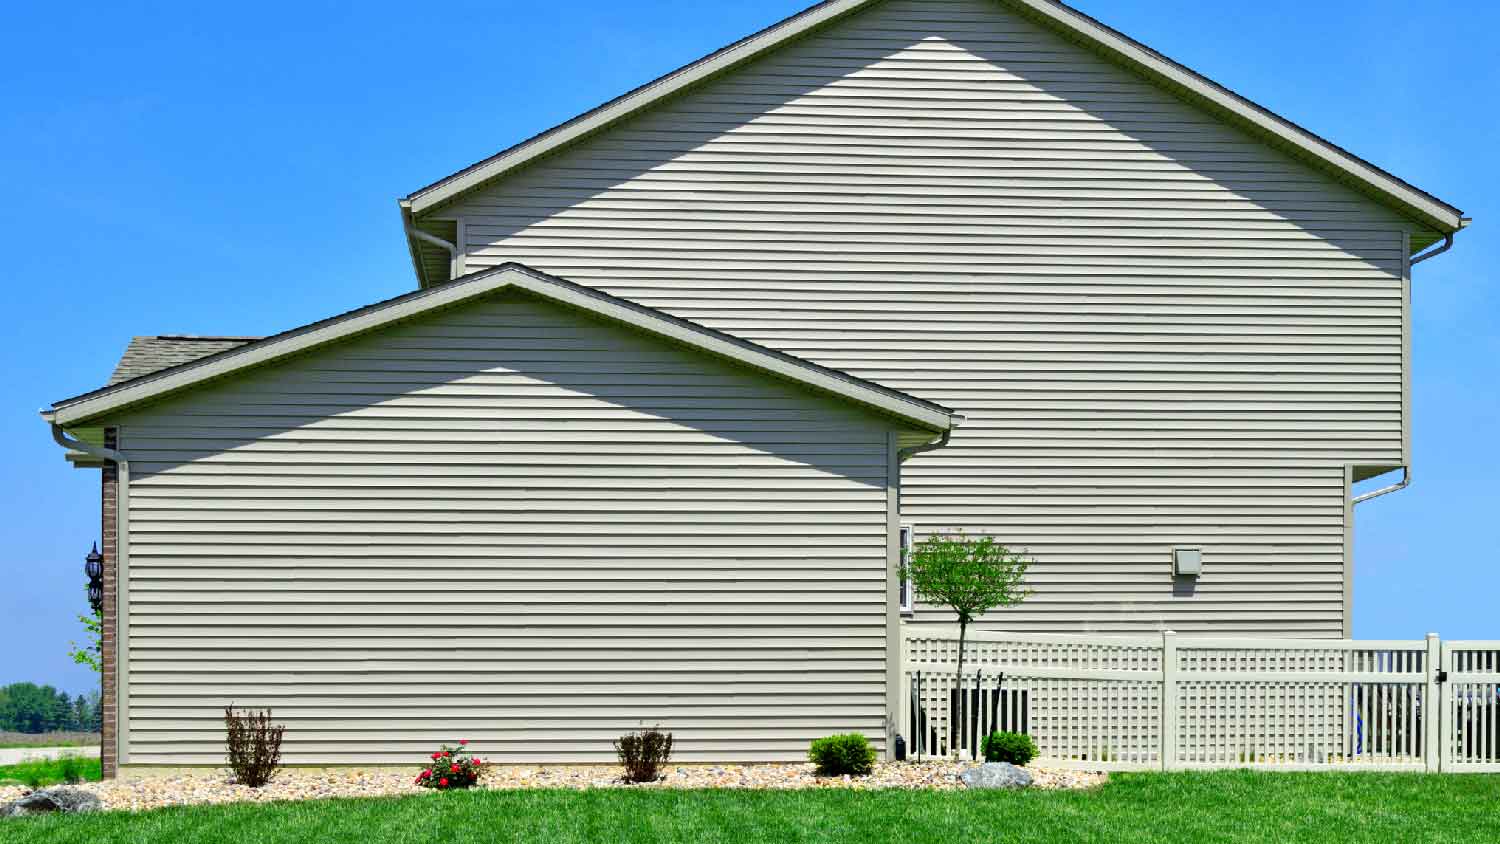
{"x":99,"y":403}
{"x":1071,"y":23}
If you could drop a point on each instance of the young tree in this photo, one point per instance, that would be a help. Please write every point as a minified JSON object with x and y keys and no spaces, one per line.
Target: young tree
{"x":91,"y":654}
{"x":969,"y":575}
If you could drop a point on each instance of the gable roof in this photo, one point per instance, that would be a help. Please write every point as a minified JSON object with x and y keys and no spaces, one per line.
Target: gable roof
{"x":1073,"y":24}
{"x":146,"y":355}
{"x":92,"y":405}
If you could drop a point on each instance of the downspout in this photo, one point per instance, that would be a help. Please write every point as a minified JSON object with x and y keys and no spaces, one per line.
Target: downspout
{"x":1447,"y":244}
{"x":953,"y":422}
{"x":62,"y":439}
{"x":1396,"y":487}
{"x":1406,"y":470}
{"x":433,"y":239}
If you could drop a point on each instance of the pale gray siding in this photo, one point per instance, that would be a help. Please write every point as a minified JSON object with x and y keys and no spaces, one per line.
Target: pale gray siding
{"x":1162,"y":331}
{"x":511,"y":524}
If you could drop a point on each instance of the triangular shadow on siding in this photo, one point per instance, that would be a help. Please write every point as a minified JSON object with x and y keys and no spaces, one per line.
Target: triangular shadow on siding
{"x":1240,"y":177}
{"x":534,"y":384}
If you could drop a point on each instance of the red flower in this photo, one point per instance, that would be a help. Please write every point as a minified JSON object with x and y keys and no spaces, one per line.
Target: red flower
{"x":463,"y":741}
{"x":447,"y":753}
{"x":454,"y":769}
{"x":436,"y":755}
{"x":443,"y":782}
{"x":427,"y":773}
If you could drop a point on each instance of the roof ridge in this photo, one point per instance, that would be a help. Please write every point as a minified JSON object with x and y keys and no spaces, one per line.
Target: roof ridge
{"x":217,"y":337}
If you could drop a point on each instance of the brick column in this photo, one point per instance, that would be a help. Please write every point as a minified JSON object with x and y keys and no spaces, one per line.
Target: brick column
{"x":108,"y":509}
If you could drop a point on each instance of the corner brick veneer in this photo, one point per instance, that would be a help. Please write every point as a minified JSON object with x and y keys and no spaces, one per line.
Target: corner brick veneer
{"x":108,"y":752}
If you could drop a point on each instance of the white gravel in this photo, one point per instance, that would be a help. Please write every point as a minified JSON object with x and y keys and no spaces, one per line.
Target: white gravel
{"x":201,"y":786}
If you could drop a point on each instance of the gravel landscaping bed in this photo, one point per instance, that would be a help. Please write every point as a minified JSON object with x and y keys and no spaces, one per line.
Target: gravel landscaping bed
{"x":216,"y":786}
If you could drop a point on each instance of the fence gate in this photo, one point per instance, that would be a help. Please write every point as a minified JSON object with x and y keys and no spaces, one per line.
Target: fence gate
{"x":1471,"y":706}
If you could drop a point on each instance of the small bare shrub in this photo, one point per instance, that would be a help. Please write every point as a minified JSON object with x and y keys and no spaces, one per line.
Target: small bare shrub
{"x":254,"y":745}
{"x":644,"y":753}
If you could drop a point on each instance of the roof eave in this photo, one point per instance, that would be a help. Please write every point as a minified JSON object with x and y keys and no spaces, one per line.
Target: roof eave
{"x":413,"y":246}
{"x":100,"y":403}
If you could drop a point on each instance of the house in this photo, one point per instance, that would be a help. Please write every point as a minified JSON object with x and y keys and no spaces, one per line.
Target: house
{"x":642,"y":445}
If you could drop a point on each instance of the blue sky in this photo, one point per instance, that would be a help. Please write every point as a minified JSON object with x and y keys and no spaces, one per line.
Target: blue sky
{"x":233,"y":169}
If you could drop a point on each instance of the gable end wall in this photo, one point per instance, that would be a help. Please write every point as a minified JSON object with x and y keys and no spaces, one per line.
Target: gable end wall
{"x":1162,"y":332}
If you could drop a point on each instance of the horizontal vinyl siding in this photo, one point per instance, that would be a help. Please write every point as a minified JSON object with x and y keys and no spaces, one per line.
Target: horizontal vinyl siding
{"x":1161,"y":331}
{"x":508,"y":524}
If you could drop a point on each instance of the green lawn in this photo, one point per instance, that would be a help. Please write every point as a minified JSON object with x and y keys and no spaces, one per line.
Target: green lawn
{"x":1230,"y":806}
{"x":49,"y":772}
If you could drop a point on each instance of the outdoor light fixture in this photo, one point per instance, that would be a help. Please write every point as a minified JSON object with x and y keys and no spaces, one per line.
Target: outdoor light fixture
{"x":93,"y":566}
{"x":1187,"y":562}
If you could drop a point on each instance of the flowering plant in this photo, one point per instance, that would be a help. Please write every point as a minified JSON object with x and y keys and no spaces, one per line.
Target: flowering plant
{"x":452,"y":767}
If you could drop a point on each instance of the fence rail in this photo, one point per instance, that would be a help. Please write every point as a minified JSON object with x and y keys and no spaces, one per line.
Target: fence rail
{"x":1168,"y":701}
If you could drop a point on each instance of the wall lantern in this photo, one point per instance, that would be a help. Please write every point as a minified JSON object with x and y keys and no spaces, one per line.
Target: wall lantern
{"x":93,"y":566}
{"x":1187,"y":562}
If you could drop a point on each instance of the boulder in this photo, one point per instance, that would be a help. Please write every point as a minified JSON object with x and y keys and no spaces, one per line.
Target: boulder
{"x":996,"y":775}
{"x":46,"y":801}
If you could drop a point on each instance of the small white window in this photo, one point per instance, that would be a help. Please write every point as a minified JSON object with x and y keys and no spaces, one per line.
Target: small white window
{"x":907,"y":597}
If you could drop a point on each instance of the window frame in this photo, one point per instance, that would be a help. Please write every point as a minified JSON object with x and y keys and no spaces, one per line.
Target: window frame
{"x":906,"y":598}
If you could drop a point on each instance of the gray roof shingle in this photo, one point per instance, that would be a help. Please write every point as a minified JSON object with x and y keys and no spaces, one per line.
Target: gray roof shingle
{"x":146,"y":355}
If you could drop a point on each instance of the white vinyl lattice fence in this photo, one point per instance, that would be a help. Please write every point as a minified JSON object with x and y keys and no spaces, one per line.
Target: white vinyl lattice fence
{"x":1168,"y":701}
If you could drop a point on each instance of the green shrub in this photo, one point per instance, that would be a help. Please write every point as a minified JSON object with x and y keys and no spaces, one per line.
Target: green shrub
{"x":70,"y":769}
{"x":1015,"y":748}
{"x":847,"y":753}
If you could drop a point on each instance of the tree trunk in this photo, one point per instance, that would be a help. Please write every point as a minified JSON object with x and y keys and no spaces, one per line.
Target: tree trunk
{"x":956,"y":724}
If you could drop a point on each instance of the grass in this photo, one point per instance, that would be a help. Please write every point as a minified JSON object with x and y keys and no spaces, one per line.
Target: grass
{"x":10,"y":739}
{"x":42,"y":772}
{"x":1222,"y":807}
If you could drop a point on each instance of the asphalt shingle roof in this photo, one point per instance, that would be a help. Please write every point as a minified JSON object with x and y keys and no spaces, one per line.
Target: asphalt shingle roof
{"x":146,"y":355}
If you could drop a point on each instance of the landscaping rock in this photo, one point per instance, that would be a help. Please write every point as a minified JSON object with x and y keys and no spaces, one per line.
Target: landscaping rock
{"x":198,"y":786}
{"x":996,"y":775}
{"x":59,"y":799}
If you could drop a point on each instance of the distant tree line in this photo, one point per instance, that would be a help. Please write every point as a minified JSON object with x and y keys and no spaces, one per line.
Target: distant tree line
{"x":29,"y":708}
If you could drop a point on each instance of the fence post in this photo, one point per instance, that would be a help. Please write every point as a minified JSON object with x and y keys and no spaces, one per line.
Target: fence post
{"x":1168,"y":700}
{"x":1432,"y":707}
{"x":903,"y":712}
